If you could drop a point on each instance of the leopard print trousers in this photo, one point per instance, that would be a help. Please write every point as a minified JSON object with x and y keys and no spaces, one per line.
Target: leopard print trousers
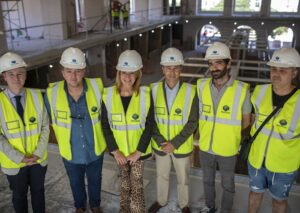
{"x":132,"y":192}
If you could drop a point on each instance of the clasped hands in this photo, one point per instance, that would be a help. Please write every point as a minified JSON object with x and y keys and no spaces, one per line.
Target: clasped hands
{"x":30,"y":160}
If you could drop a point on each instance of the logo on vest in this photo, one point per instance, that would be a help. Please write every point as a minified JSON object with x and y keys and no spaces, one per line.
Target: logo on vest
{"x":178,"y":111}
{"x":135,"y":116}
{"x":32,"y":119}
{"x":283,"y":122}
{"x":94,"y":109}
{"x":226,"y":108}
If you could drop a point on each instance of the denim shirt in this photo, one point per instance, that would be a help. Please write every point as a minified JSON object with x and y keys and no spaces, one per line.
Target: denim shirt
{"x":82,"y":136}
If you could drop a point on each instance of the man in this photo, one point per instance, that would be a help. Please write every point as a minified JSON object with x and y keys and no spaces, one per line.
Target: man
{"x":74,"y":106}
{"x":274,"y":156}
{"x":224,"y":112}
{"x":24,"y":136}
{"x":176,"y":116}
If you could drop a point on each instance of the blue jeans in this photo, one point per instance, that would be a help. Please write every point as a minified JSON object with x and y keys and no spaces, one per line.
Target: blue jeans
{"x":279,"y":184}
{"x":76,"y":173}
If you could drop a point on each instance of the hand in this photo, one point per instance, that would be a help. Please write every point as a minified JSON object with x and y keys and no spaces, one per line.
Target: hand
{"x":30,"y":160}
{"x":134,"y":157}
{"x":120,"y":158}
{"x":167,"y":147}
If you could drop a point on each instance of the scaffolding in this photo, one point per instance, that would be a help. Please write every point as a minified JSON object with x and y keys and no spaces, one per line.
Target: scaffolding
{"x":11,"y":14}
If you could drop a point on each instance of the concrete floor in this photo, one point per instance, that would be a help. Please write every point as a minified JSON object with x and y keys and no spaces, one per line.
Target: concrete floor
{"x":59,"y":197}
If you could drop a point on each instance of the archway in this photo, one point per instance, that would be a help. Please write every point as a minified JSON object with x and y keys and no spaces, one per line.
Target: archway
{"x":207,"y":35}
{"x":281,"y":37}
{"x":248,"y":32}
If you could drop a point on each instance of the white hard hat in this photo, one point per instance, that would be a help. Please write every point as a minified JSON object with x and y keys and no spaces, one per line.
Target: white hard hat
{"x":11,"y":61}
{"x":129,"y":61}
{"x":73,"y":58}
{"x":217,"y":50}
{"x":171,"y":57}
{"x":285,"y":57}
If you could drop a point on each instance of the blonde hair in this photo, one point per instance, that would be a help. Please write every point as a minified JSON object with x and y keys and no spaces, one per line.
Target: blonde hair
{"x":136,"y":85}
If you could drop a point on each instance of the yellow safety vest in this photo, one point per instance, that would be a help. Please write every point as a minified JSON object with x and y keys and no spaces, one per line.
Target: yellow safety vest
{"x":170,"y":124}
{"x":279,"y":139}
{"x":125,"y":14}
{"x":115,"y":13}
{"x":220,"y":131}
{"x":127,"y":127}
{"x":61,"y":115}
{"x":23,"y":138}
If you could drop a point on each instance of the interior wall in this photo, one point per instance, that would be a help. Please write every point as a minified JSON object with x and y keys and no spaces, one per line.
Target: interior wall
{"x":69,"y":17}
{"x":53,"y":13}
{"x":155,"y":9}
{"x":94,"y":10}
{"x":141,"y":11}
{"x":3,"y":46}
{"x":33,"y":16}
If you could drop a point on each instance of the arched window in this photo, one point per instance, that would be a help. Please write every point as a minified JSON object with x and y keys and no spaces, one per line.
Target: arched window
{"x":281,"y":37}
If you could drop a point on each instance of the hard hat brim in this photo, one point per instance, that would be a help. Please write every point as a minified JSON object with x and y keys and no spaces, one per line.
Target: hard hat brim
{"x":70,"y":66}
{"x":283,"y":65}
{"x":128,"y":69}
{"x":13,"y":67}
{"x":216,"y":58}
{"x":171,"y":63}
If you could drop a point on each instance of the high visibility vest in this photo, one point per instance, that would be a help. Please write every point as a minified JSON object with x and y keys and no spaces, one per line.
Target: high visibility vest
{"x":127,"y":127}
{"x":23,"y":137}
{"x":220,"y":131}
{"x":115,"y":13}
{"x":170,"y":124}
{"x":125,"y":13}
{"x":279,"y":139}
{"x":61,"y":115}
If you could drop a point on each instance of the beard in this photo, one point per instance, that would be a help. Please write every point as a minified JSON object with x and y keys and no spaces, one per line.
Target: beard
{"x":218,"y":74}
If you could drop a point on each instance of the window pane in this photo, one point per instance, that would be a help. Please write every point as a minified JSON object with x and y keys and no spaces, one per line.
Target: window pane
{"x":211,"y":5}
{"x":178,"y":3}
{"x":290,"y":6}
{"x":247,"y":5}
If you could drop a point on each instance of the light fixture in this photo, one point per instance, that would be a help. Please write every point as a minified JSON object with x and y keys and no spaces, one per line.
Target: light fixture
{"x":140,"y":35}
{"x":186,"y":21}
{"x":235,"y":23}
{"x":125,"y":39}
{"x":170,"y":25}
{"x":117,"y":44}
{"x":50,"y":66}
{"x":162,"y":28}
{"x":210,"y":22}
{"x":176,"y":22}
{"x":152,"y":31}
{"x":262,"y":23}
{"x":293,"y":24}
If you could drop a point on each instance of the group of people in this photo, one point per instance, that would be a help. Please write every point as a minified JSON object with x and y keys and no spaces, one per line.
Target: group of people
{"x":119,"y":10}
{"x":134,"y":121}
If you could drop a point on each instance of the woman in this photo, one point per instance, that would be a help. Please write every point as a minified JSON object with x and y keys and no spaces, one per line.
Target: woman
{"x":127,"y":119}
